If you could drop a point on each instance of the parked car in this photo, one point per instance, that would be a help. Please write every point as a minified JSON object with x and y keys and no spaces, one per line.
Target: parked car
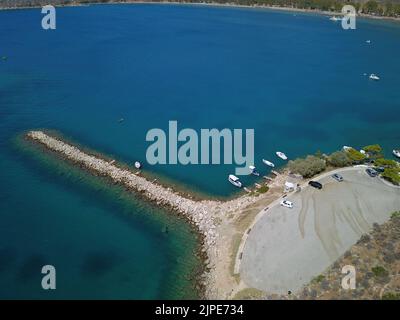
{"x":371,"y":172}
{"x":315,"y":184}
{"x":379,"y":169}
{"x":287,"y":204}
{"x":337,"y":177}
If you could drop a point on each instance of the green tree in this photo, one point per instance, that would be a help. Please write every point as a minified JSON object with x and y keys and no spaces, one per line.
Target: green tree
{"x":392,"y":175}
{"x":307,"y":167}
{"x":355,"y":156}
{"x":373,"y":148}
{"x":388,"y":163}
{"x":339,"y":159}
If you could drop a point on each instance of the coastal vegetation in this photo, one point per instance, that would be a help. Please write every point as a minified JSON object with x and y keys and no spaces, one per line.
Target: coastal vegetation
{"x":384,"y":8}
{"x":312,"y":165}
{"x":379,"y":271}
{"x":308,"y":167}
{"x":355,"y":156}
{"x":339,"y":159}
{"x":391,"y":296}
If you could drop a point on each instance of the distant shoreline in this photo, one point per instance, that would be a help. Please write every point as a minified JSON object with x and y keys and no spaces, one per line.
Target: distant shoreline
{"x":212,"y":4}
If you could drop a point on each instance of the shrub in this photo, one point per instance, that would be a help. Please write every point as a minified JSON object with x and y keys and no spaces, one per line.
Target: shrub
{"x":395,"y":215}
{"x":307,"y":167}
{"x":355,"y":156}
{"x":373,"y":149}
{"x":386,"y":163}
{"x":263,"y":189}
{"x":391,"y":296}
{"x":379,"y":271}
{"x":339,"y":159}
{"x":318,"y":279}
{"x":392,"y":175}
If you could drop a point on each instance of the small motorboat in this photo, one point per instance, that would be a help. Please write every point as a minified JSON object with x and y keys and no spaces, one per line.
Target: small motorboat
{"x":334,"y":18}
{"x":138,"y":165}
{"x":281,"y":155}
{"x":254,"y":171}
{"x":234,"y":180}
{"x":368,"y":41}
{"x":268,"y":163}
{"x":373,"y":76}
{"x":396,"y":153}
{"x":346,"y":148}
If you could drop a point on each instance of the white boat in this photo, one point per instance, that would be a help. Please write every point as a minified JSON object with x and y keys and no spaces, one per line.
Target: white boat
{"x":138,"y":165}
{"x":373,"y":76}
{"x":268,"y":163}
{"x":368,"y":41}
{"x":234,"y":180}
{"x":281,"y":155}
{"x":254,"y":171}
{"x":333,"y":18}
{"x":396,"y":153}
{"x":346,"y":148}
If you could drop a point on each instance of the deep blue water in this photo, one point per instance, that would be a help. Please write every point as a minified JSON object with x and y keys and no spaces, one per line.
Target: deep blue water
{"x":297,"y":80}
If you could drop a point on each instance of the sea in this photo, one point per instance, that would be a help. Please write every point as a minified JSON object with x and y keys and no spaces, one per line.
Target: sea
{"x":108,"y":74}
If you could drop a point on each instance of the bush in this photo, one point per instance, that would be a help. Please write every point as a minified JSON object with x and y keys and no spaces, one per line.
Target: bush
{"x":392,"y":175}
{"x":379,"y":271}
{"x":339,"y":159}
{"x":355,"y":156}
{"x":373,"y":149}
{"x":395,"y":215}
{"x":386,"y":163}
{"x":263,"y":189}
{"x":391,"y":296}
{"x":307,"y":167}
{"x":318,"y":279}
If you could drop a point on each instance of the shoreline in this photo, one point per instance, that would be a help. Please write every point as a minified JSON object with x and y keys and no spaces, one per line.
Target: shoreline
{"x":222,"y":227}
{"x":211,"y":4}
{"x":205,"y":216}
{"x":188,"y":275}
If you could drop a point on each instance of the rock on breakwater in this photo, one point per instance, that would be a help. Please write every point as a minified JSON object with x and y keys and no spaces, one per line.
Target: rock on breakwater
{"x":205,"y":215}
{"x":201,"y":213}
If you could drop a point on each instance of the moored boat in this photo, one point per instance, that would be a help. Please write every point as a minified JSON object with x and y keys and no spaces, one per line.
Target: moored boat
{"x":234,"y":180}
{"x":254,"y":171}
{"x":396,"y":153}
{"x":138,"y":165}
{"x":268,"y":163}
{"x":373,"y":76}
{"x":281,"y":155}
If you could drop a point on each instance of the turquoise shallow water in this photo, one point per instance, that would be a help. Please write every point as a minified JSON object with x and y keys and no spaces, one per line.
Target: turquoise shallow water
{"x":297,"y":80}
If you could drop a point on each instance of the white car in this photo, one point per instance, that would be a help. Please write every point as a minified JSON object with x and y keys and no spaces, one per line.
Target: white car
{"x":287,"y":204}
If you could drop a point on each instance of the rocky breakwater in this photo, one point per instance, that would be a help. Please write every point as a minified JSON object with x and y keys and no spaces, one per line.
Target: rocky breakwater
{"x":208,"y":216}
{"x":200,"y":213}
